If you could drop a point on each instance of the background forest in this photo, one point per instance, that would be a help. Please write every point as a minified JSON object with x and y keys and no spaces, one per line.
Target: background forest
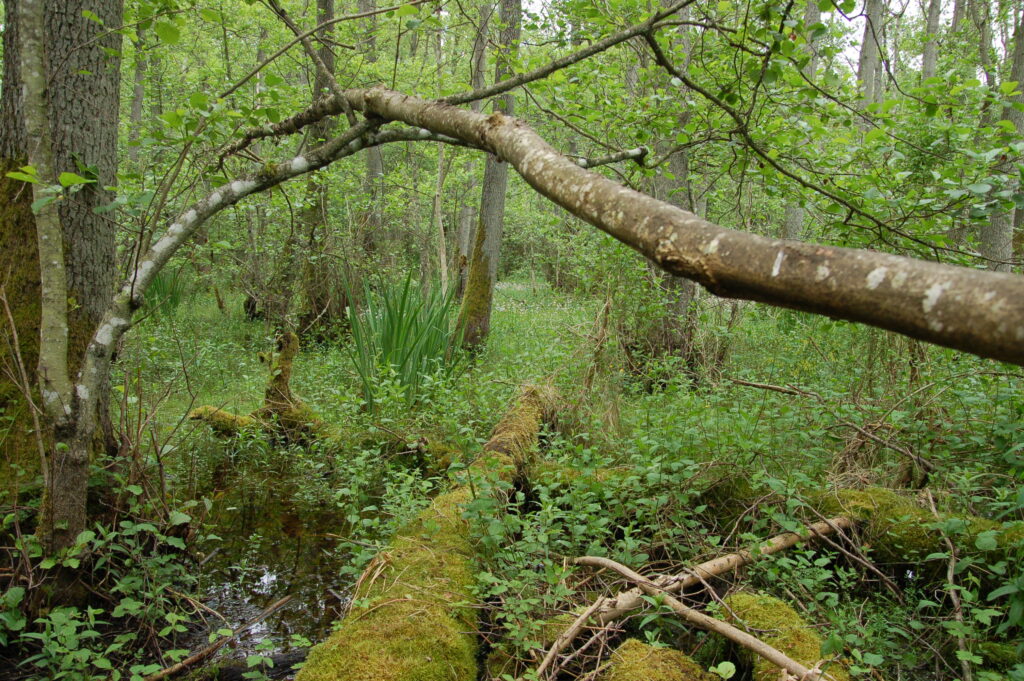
{"x":409,"y":409}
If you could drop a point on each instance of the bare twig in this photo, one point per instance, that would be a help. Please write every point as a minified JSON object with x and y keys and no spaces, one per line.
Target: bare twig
{"x":954,"y":596}
{"x":706,"y":622}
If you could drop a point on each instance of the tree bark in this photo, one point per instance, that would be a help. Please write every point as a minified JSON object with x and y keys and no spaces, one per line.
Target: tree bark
{"x":78,"y":114}
{"x":475,"y":315}
{"x":138,"y":96}
{"x":370,"y":221}
{"x":869,"y":51}
{"x":468,"y":212}
{"x":322,"y":306}
{"x":931,"y":45}
{"x":996,"y":235}
{"x":793,"y":215}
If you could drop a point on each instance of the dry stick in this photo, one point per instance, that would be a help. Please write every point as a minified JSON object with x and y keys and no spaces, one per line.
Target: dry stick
{"x":214,"y":647}
{"x":954,"y":595}
{"x":616,"y":607}
{"x":706,"y":622}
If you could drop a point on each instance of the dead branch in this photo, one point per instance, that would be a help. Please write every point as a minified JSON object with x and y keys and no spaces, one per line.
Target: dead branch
{"x":609,"y":609}
{"x":706,"y":622}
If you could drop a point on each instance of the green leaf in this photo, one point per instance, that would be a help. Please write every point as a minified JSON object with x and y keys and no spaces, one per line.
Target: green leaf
{"x":167,"y":32}
{"x":272,"y":79}
{"x":986,"y":541}
{"x":69,"y":179}
{"x":91,"y":16}
{"x":24,"y":177}
{"x":211,"y":15}
{"x":407,"y":10}
{"x":198,"y":100}
{"x":725,"y":670}
{"x":980,"y":187}
{"x":874,"y":135}
{"x":39,"y":204}
{"x":178,"y":518}
{"x":872,"y":659}
{"x":134,"y":489}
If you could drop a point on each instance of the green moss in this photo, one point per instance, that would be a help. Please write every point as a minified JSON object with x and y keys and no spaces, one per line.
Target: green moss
{"x":515,"y":436}
{"x":19,"y":273}
{"x":222,"y":422}
{"x":778,"y":625}
{"x":900,"y":530}
{"x":637,"y":661}
{"x":1000,"y":656}
{"x":416,"y":621}
{"x":475,"y":313}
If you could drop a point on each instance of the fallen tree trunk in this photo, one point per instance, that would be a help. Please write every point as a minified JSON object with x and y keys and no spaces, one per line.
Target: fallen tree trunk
{"x":415,"y":618}
{"x":958,"y":307}
{"x":900,"y":530}
{"x":608,"y":609}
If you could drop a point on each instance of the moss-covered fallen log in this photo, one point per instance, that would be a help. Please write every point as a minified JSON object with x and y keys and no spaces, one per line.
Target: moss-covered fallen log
{"x":283,"y":414}
{"x":901,"y":530}
{"x":779,"y":626}
{"x":414,"y":617}
{"x":637,"y":661}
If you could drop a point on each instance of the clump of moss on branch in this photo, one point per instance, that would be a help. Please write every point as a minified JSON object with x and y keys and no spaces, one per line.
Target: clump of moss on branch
{"x":779,"y":625}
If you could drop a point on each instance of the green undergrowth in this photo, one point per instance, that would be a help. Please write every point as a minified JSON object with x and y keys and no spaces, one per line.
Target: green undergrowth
{"x":657,"y":475}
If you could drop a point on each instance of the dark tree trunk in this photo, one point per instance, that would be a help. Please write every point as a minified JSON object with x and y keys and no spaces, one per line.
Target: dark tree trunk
{"x":83,"y":83}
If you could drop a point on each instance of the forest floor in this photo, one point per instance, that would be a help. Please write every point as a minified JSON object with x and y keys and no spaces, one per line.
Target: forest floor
{"x":785,"y":404}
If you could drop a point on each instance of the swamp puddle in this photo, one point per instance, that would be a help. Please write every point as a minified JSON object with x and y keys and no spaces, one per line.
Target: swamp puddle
{"x":266,"y":551}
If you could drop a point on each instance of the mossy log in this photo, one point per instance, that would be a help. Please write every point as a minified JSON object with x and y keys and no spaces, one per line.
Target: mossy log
{"x":415,"y":618}
{"x":779,"y":626}
{"x":637,"y":661}
{"x":283,"y":414}
{"x":900,"y":530}
{"x":897,"y":526}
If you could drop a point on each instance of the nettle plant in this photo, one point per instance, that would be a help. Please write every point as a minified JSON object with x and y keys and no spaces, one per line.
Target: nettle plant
{"x":128,"y":628}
